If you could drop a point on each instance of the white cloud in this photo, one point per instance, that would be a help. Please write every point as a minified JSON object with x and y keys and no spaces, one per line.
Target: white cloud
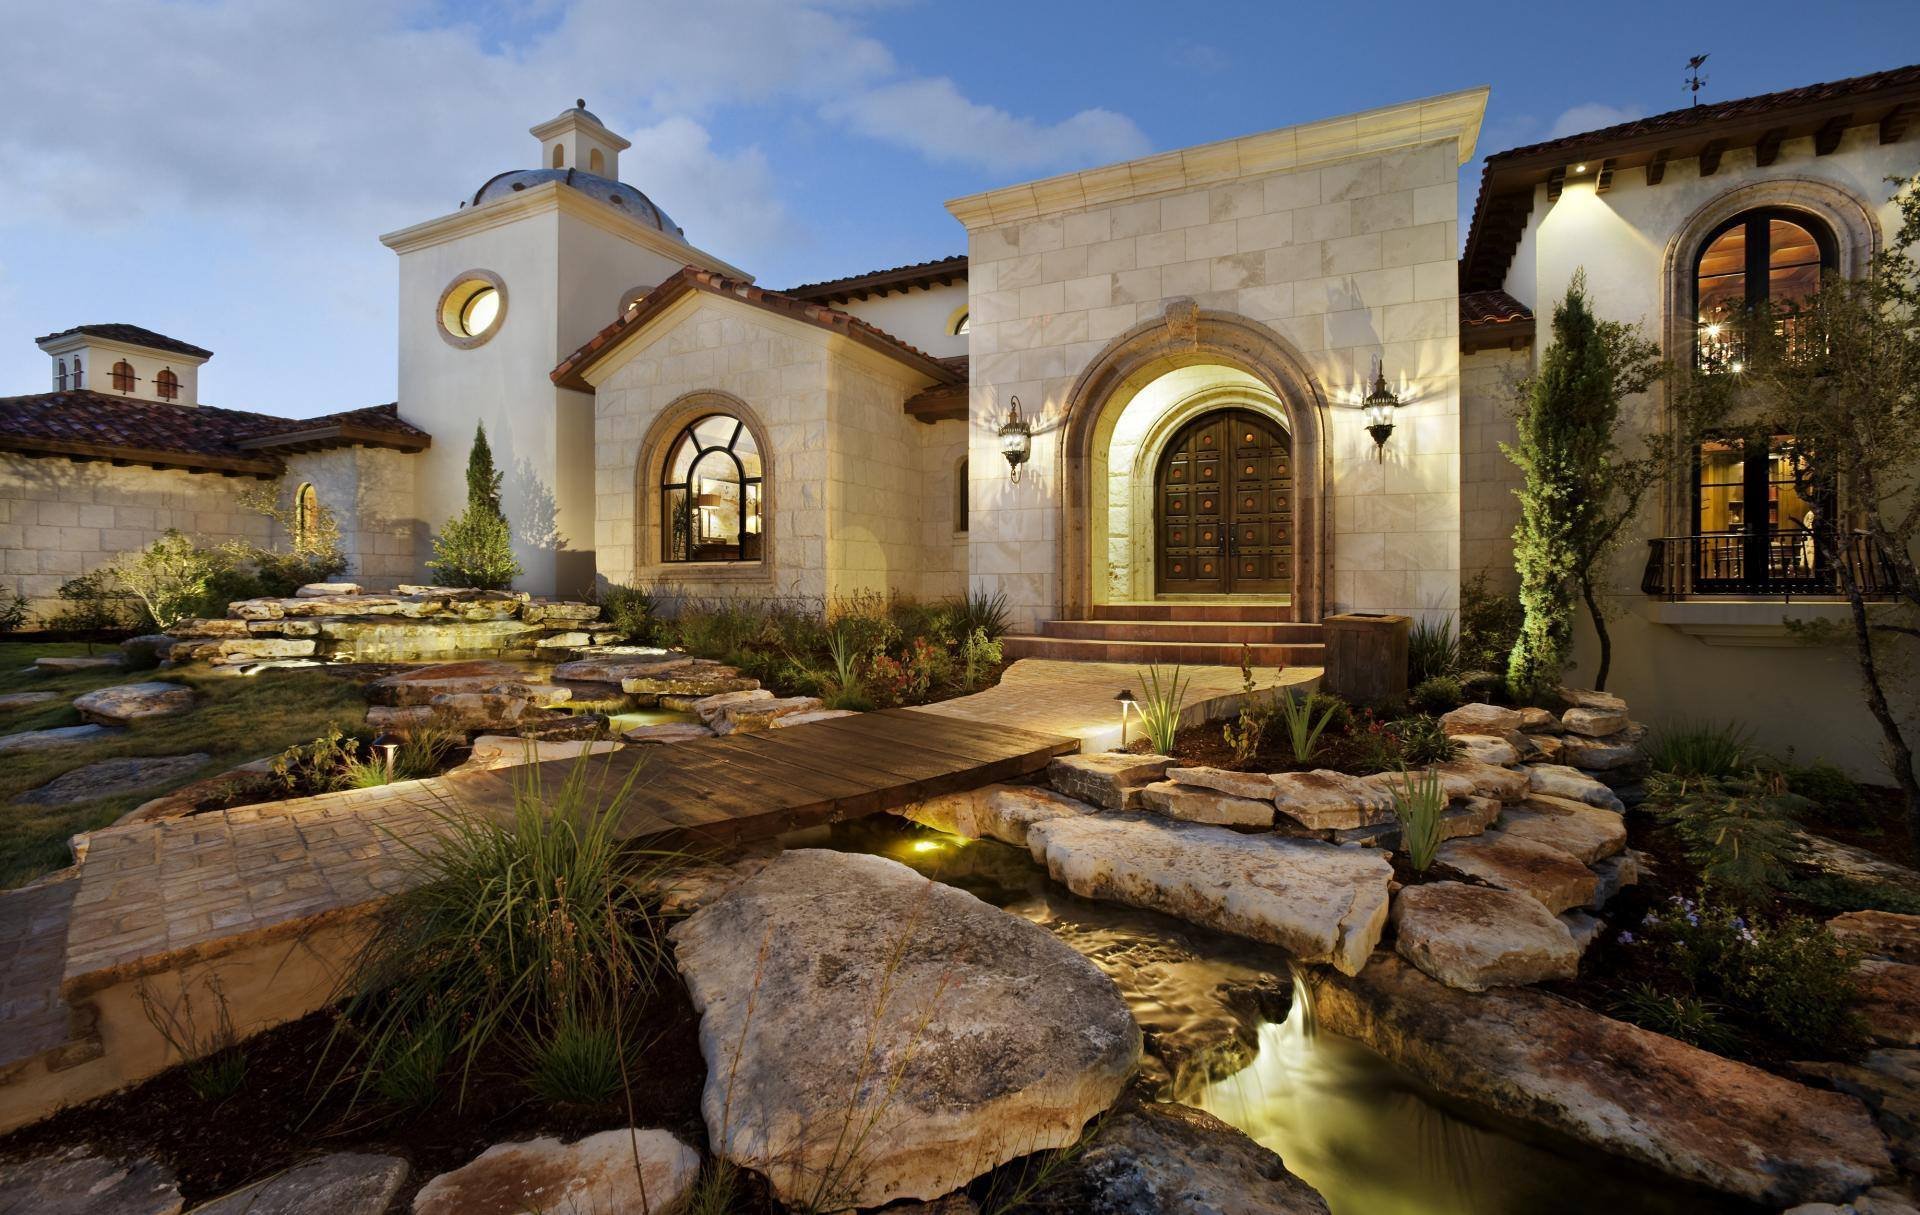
{"x":732,"y":199}
{"x":1590,"y":116}
{"x":931,"y":116}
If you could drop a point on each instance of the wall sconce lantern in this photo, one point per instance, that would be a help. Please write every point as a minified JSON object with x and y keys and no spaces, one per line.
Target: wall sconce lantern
{"x":1016,"y":439}
{"x":1380,"y":404}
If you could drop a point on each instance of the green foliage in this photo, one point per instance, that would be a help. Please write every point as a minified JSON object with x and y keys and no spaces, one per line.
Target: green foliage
{"x":577,"y":1063}
{"x":1244,"y":733}
{"x":1701,"y":749}
{"x":1684,"y":1016}
{"x":319,"y":766}
{"x":1830,"y":792}
{"x":212,"y":1055}
{"x":93,"y":603}
{"x":1161,"y":700}
{"x":171,"y":577}
{"x":634,"y":611}
{"x":475,"y":548}
{"x":1831,"y":892}
{"x":1794,"y":977}
{"x":1741,"y":832}
{"x":13,"y":614}
{"x":406,"y":1068}
{"x":1423,"y":741}
{"x":1432,"y":650}
{"x":1489,"y":626}
{"x":518,"y":928}
{"x":980,"y":658}
{"x":1303,"y":728}
{"x":1339,"y":713}
{"x":313,"y":551}
{"x":1418,"y":803}
{"x":978,"y":609}
{"x":1437,"y":695}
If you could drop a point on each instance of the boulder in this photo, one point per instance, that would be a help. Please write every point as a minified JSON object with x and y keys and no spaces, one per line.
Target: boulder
{"x":1480,"y":719}
{"x":1488,"y":780}
{"x":1107,"y":778}
{"x":1453,"y":783}
{"x":315,"y":589}
{"x":1621,"y":1089}
{"x":1889,"y":1082}
{"x":1585,"y":927}
{"x":1880,"y":934}
{"x":711,"y":708}
{"x":1558,"y":780}
{"x":751,"y":716}
{"x":118,"y":705}
{"x":77,"y":662}
{"x":636,"y":663}
{"x":1464,"y":816}
{"x":1594,"y":723}
{"x":1476,"y":937}
{"x":1487,"y":749}
{"x":1613,"y":875}
{"x":10,"y":701}
{"x":1585,"y":698}
{"x":1538,"y":721}
{"x":1856,"y":864}
{"x":250,"y":648}
{"x":1608,"y":754}
{"x":1550,"y":747}
{"x":667,"y":732}
{"x":840,"y":991}
{"x":806,"y":719}
{"x":111,"y":778}
{"x":1256,"y":785}
{"x":1318,"y":901}
{"x":1586,"y":832}
{"x":491,"y":751}
{"x":56,"y":736}
{"x":146,"y":651}
{"x":594,"y":1174}
{"x":209,"y":628}
{"x":1167,"y":1159}
{"x":1890,"y":1001}
{"x":563,"y":641}
{"x":1509,"y":862}
{"x":1000,"y":812}
{"x":693,"y":683}
{"x":1325,"y":799}
{"x":420,"y":685}
{"x":551,"y":611}
{"x":77,"y":1181}
{"x":1193,"y":804}
{"x":345,"y":1183}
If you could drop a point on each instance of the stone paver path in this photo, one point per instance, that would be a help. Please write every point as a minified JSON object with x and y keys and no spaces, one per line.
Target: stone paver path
{"x":1052,"y":696}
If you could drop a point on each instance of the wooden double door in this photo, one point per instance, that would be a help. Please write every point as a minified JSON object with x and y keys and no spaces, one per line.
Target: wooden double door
{"x":1223,"y":502}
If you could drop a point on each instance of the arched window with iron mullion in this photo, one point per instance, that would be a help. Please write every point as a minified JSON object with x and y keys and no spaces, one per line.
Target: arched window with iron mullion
{"x":710,"y":497}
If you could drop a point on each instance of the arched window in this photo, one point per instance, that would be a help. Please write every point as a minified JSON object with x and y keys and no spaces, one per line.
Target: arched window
{"x":964,"y":325}
{"x":79,"y":377}
{"x":306,"y":516}
{"x":60,"y":380}
{"x":167,"y":384}
{"x":710,"y":493}
{"x":961,"y":497}
{"x":123,"y":376}
{"x":559,"y":156}
{"x":596,"y":163}
{"x":1765,"y":258}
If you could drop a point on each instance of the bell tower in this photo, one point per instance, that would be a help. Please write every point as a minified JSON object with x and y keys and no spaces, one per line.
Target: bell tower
{"x":576,"y":139}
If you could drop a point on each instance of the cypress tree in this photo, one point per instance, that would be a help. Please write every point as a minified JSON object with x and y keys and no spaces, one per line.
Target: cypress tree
{"x":475,"y":549}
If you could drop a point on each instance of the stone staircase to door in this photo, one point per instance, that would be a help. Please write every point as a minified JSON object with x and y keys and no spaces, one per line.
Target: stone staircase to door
{"x":1193,"y":634}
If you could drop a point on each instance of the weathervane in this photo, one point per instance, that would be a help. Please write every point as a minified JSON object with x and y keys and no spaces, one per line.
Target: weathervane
{"x":1696,"y":82}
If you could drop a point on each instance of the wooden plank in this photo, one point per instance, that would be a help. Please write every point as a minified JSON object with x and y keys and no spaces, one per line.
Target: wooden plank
{"x":1012,"y":736}
{"x":949,"y":739}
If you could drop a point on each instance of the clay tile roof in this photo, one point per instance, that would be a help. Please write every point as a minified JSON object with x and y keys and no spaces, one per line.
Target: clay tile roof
{"x":89,"y":425}
{"x":571,"y":371}
{"x":134,"y":335}
{"x":1491,"y":308}
{"x":938,"y":272}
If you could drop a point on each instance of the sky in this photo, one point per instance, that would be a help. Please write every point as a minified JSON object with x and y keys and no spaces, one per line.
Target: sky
{"x":220,"y":170}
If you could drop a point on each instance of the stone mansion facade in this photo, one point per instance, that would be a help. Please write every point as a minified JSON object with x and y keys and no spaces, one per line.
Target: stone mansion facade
{"x":1192,"y":339}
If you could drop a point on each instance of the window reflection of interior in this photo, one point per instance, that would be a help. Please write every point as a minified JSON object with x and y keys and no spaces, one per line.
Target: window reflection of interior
{"x":711,"y":495}
{"x":1758,"y":259}
{"x":1751,"y":519}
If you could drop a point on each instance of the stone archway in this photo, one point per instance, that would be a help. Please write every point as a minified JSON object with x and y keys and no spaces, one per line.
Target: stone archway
{"x":1183,"y":336}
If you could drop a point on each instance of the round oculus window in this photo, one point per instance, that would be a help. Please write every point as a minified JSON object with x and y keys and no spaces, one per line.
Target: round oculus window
{"x":472,"y":308}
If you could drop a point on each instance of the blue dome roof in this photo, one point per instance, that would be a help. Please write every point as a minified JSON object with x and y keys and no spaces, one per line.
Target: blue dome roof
{"x":616,"y":194}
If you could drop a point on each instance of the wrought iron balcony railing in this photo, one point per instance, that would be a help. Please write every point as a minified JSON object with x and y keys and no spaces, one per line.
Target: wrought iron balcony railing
{"x":1770,"y":565}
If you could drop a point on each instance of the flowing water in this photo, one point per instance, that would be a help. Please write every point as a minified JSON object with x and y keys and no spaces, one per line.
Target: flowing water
{"x":1230,"y":1029}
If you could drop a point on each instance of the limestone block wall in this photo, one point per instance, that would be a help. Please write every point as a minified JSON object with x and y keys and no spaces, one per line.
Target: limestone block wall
{"x":372,"y":496}
{"x":1346,"y":255}
{"x":1489,"y":511}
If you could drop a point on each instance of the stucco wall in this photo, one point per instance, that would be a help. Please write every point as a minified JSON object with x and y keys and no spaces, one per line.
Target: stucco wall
{"x":919,"y":317}
{"x":1344,"y":260}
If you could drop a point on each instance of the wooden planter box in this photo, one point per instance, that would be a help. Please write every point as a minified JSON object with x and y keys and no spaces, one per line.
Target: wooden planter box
{"x":1366,"y":656}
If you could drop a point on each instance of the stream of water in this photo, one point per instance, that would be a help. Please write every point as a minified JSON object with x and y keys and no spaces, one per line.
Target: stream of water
{"x":1368,"y":1136}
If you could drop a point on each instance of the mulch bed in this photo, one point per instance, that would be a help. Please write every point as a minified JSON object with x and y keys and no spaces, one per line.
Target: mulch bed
{"x":281,"y":1115}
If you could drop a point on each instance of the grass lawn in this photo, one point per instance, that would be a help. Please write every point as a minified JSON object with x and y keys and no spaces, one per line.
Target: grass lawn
{"x":236,"y":719}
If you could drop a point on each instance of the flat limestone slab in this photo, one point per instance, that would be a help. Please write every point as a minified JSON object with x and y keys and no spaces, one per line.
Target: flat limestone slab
{"x":1327,"y":800}
{"x":122,"y":703}
{"x":1880,"y":934}
{"x":613,"y":1171}
{"x":1192,"y":804}
{"x":1107,"y":778}
{"x":1556,"y":878}
{"x":23,"y":700}
{"x":1622,"y":1089}
{"x":79,"y":1182}
{"x":1559,"y":780}
{"x":57,"y":736}
{"x":77,"y":662}
{"x":112,"y":777}
{"x":1476,"y":937}
{"x":1587,"y":832}
{"x":345,"y":1183}
{"x":1320,"y":902}
{"x":1001,"y":812}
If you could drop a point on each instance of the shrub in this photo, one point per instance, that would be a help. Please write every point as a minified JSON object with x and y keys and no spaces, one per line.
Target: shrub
{"x":1371,"y":747}
{"x":313,"y":552}
{"x":92,"y":603}
{"x":1700,"y":749}
{"x":1418,"y":802}
{"x":1741,"y":832}
{"x":1161,"y":702}
{"x":634,"y":612}
{"x":1423,"y":741}
{"x":980,"y":658}
{"x":1686,"y":1017}
{"x":1431,"y":650}
{"x":475,"y":548}
{"x":519,"y":928}
{"x":978,"y":609}
{"x":13,"y":614}
{"x":1339,"y":713}
{"x":1832,"y":892}
{"x":1303,"y":729}
{"x":1438,"y":694}
{"x":1489,"y":626}
{"x":1830,"y":792}
{"x":316,"y":767}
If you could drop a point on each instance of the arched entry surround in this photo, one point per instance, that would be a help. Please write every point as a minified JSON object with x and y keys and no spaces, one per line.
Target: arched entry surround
{"x":1184,"y":336}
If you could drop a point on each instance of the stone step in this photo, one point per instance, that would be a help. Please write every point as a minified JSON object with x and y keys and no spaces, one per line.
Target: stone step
{"x":1190,"y":653}
{"x":1227,"y":632}
{"x":1256,"y":612}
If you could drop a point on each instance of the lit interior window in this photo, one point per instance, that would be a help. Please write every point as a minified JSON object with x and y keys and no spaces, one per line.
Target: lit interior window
{"x":964,"y":325}
{"x":478,"y":312}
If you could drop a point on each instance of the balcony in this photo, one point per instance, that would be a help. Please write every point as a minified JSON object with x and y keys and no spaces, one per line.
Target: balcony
{"x":1731,"y":588}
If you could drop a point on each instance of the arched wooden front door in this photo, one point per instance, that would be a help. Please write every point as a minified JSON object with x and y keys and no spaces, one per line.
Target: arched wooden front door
{"x":1223,"y":502}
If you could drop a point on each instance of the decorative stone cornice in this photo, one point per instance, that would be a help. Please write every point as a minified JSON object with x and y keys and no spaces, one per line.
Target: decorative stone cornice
{"x":1449,"y":116}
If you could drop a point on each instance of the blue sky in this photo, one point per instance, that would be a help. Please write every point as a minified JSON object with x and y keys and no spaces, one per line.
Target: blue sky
{"x":220,"y":169}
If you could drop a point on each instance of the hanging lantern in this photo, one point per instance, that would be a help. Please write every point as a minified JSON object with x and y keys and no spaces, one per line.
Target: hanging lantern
{"x":1016,"y":439}
{"x":1380,"y":404}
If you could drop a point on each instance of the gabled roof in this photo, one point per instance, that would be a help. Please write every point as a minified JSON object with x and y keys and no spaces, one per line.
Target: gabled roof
{"x":941,"y":272}
{"x":132,"y":335}
{"x":1889,"y":99}
{"x":571,"y":373}
{"x":87,"y":425}
{"x":1493,"y":318}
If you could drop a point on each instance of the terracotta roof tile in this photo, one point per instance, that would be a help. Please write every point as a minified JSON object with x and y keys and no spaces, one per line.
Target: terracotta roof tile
{"x":571,"y":371}
{"x":96,"y":425}
{"x":134,"y":335}
{"x":1491,"y":308}
{"x":900,"y":278}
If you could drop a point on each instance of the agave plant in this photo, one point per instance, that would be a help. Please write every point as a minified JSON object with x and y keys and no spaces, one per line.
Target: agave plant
{"x":1160,"y":703}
